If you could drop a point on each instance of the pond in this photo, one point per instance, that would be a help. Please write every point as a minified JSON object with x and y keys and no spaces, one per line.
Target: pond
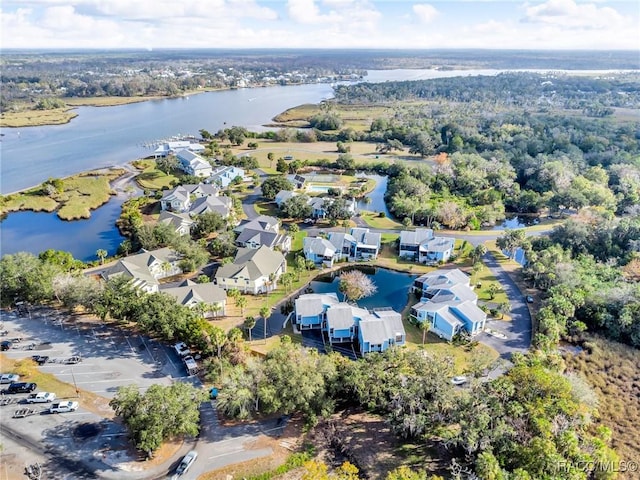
{"x":375,"y":202}
{"x":393,"y":287}
{"x":37,"y":231}
{"x":513,"y":222}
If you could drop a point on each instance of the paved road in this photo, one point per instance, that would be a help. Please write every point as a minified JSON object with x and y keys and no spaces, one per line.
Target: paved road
{"x":256,"y":196}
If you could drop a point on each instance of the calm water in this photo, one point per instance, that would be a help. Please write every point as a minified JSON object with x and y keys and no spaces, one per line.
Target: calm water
{"x":376,"y":196}
{"x":37,"y":231}
{"x":393,"y":287}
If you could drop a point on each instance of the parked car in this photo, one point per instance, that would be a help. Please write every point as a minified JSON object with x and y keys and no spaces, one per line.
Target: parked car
{"x":41,"y":397}
{"x":5,"y":345}
{"x":63,"y":407}
{"x":40,"y":359}
{"x":182,"y":349}
{"x":459,"y":380}
{"x":20,"y":387}
{"x":9,"y":378}
{"x":186,"y":462}
{"x":72,"y":360}
{"x":529,"y":299}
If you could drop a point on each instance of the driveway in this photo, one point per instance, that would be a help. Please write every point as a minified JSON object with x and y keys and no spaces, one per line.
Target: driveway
{"x":518,"y":330}
{"x":250,"y":200}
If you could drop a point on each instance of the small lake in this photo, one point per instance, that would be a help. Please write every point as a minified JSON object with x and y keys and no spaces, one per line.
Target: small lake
{"x":38,"y":231}
{"x":393,"y":287}
{"x":376,"y":196}
{"x":513,"y":222}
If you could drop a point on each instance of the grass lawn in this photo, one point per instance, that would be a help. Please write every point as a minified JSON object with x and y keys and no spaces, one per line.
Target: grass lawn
{"x":79,"y":194}
{"x":266,"y":208}
{"x":374,"y":221}
{"x":296,"y":241}
{"x":151,"y":178}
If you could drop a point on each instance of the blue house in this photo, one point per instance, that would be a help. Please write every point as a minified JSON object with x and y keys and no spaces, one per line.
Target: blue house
{"x":422,"y":246}
{"x":360,"y":244}
{"x":342,"y":322}
{"x":311,"y":309}
{"x":380,"y":331}
{"x":319,"y":251}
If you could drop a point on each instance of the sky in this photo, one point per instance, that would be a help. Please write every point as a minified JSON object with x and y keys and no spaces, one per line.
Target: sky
{"x":395,"y":24}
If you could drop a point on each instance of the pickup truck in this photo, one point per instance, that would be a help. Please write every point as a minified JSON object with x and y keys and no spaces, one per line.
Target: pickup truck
{"x":182,"y":349}
{"x":41,"y":397}
{"x":63,"y":407}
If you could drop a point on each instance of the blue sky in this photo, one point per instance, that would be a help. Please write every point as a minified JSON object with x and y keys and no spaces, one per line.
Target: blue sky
{"x":549,"y":24}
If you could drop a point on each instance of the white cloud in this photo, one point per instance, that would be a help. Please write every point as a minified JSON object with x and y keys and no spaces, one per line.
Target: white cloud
{"x":307,"y":12}
{"x":569,"y":14}
{"x":426,"y":13}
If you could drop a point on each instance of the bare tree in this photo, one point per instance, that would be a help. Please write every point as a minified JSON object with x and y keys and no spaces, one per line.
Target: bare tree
{"x":356,"y":285}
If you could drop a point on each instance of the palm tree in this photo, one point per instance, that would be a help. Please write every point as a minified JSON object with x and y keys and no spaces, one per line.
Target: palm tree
{"x":101,"y":254}
{"x":215,"y":309}
{"x":249,"y":323}
{"x":264,"y":313}
{"x":241,"y":302}
{"x":504,"y":307}
{"x":425,"y":326}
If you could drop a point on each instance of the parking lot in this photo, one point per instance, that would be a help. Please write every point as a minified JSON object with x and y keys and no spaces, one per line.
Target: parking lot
{"x":74,"y":444}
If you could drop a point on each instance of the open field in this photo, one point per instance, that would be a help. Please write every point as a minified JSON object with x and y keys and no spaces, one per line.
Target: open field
{"x":375,"y":221}
{"x":75,"y":198}
{"x":150,"y":177}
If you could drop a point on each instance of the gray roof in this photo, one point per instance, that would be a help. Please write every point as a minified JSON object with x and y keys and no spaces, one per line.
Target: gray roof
{"x":175,"y":219}
{"x":444,"y":277}
{"x":263,"y":222}
{"x":415,"y":238}
{"x":284,"y":195}
{"x":312,"y":304}
{"x":180,"y":193}
{"x":381,"y":326}
{"x":138,"y":266}
{"x":202,"y":189}
{"x":208,"y":293}
{"x":252,"y":263}
{"x":471,"y":311}
{"x":438,"y":244}
{"x":338,"y":239}
{"x":340,"y":316}
{"x":364,"y":237}
{"x":221,"y":205}
{"x":457,"y":292}
{"x":262,"y":237}
{"x":318,"y":246}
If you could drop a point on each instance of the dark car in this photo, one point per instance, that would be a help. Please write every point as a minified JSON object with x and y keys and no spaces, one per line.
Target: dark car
{"x":40,"y":359}
{"x":6,"y":345}
{"x":20,"y":387}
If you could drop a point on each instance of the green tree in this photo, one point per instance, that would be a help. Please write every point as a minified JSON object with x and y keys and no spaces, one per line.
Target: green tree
{"x":511,"y":241}
{"x":241,"y":302}
{"x":249,"y":323}
{"x":296,"y":207}
{"x":264,"y":313}
{"x":159,"y":414}
{"x":281,"y":165}
{"x":272,"y":185}
{"x":218,"y":339}
{"x":270,"y":157}
{"x":101,"y":254}
{"x":207,"y":223}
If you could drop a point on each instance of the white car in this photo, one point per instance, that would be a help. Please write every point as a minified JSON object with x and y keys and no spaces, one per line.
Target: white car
{"x":9,"y":378}
{"x":182,"y":349}
{"x":459,"y":380}
{"x":63,"y":407}
{"x":186,"y":462}
{"x":41,"y":397}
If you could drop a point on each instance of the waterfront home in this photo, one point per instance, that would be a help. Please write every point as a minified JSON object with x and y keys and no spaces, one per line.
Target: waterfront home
{"x":180,"y":222}
{"x":319,"y":250}
{"x":360,"y":244}
{"x":284,"y":195}
{"x":224,"y":176}
{"x":310,"y":309}
{"x":170,"y":148}
{"x":253,"y":271}
{"x":180,"y":198}
{"x":380,"y":331}
{"x":448,"y":303}
{"x":145,"y":269}
{"x":209,"y":296}
{"x":263,"y":230}
{"x":422,"y":246}
{"x":342,"y":322}
{"x":193,"y":164}
{"x":320,"y":205}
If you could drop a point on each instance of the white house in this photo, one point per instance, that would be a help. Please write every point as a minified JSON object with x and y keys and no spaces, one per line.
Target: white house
{"x":252,"y":271}
{"x":319,"y":250}
{"x":181,"y":222}
{"x":360,"y":244}
{"x":263,"y":230}
{"x":193,"y":164}
{"x":191,"y":294}
{"x":147,"y":268}
{"x":223,"y":176}
{"x":170,"y":148}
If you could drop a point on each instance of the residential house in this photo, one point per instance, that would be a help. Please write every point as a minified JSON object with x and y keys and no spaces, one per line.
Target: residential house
{"x":342,"y":322}
{"x":448,"y":303}
{"x":311,"y":308}
{"x":193,"y":164}
{"x":145,"y":269}
{"x":176,"y":200}
{"x":319,"y":250}
{"x":221,"y":205}
{"x":284,"y":195}
{"x":380,"y":331}
{"x":319,"y":206}
{"x":180,"y":222}
{"x":263,"y":230}
{"x":224,"y":176}
{"x":170,"y":148}
{"x":252,"y":271}
{"x":422,"y":246}
{"x":360,"y":244}
{"x":191,"y":294}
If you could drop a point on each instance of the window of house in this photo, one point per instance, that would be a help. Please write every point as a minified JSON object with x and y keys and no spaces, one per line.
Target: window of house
{"x":398,"y":337}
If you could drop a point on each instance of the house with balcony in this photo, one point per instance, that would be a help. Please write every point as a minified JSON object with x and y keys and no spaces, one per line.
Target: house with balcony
{"x":448,"y":303}
{"x":180,"y":198}
{"x":311,"y":309}
{"x":146,"y":269}
{"x":422,"y":246}
{"x":360,"y":244}
{"x":381,"y":331}
{"x":181,"y":223}
{"x":252,"y":271}
{"x":193,"y":164}
{"x":319,"y":250}
{"x":225,"y":175}
{"x":171,"y":148}
{"x":264,"y":230}
{"x":342,"y":322}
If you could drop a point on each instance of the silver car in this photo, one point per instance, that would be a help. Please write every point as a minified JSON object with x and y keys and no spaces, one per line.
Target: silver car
{"x":186,"y":462}
{"x":9,"y":378}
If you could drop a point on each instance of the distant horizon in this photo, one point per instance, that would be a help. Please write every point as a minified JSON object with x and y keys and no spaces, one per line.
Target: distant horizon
{"x":541,"y":25}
